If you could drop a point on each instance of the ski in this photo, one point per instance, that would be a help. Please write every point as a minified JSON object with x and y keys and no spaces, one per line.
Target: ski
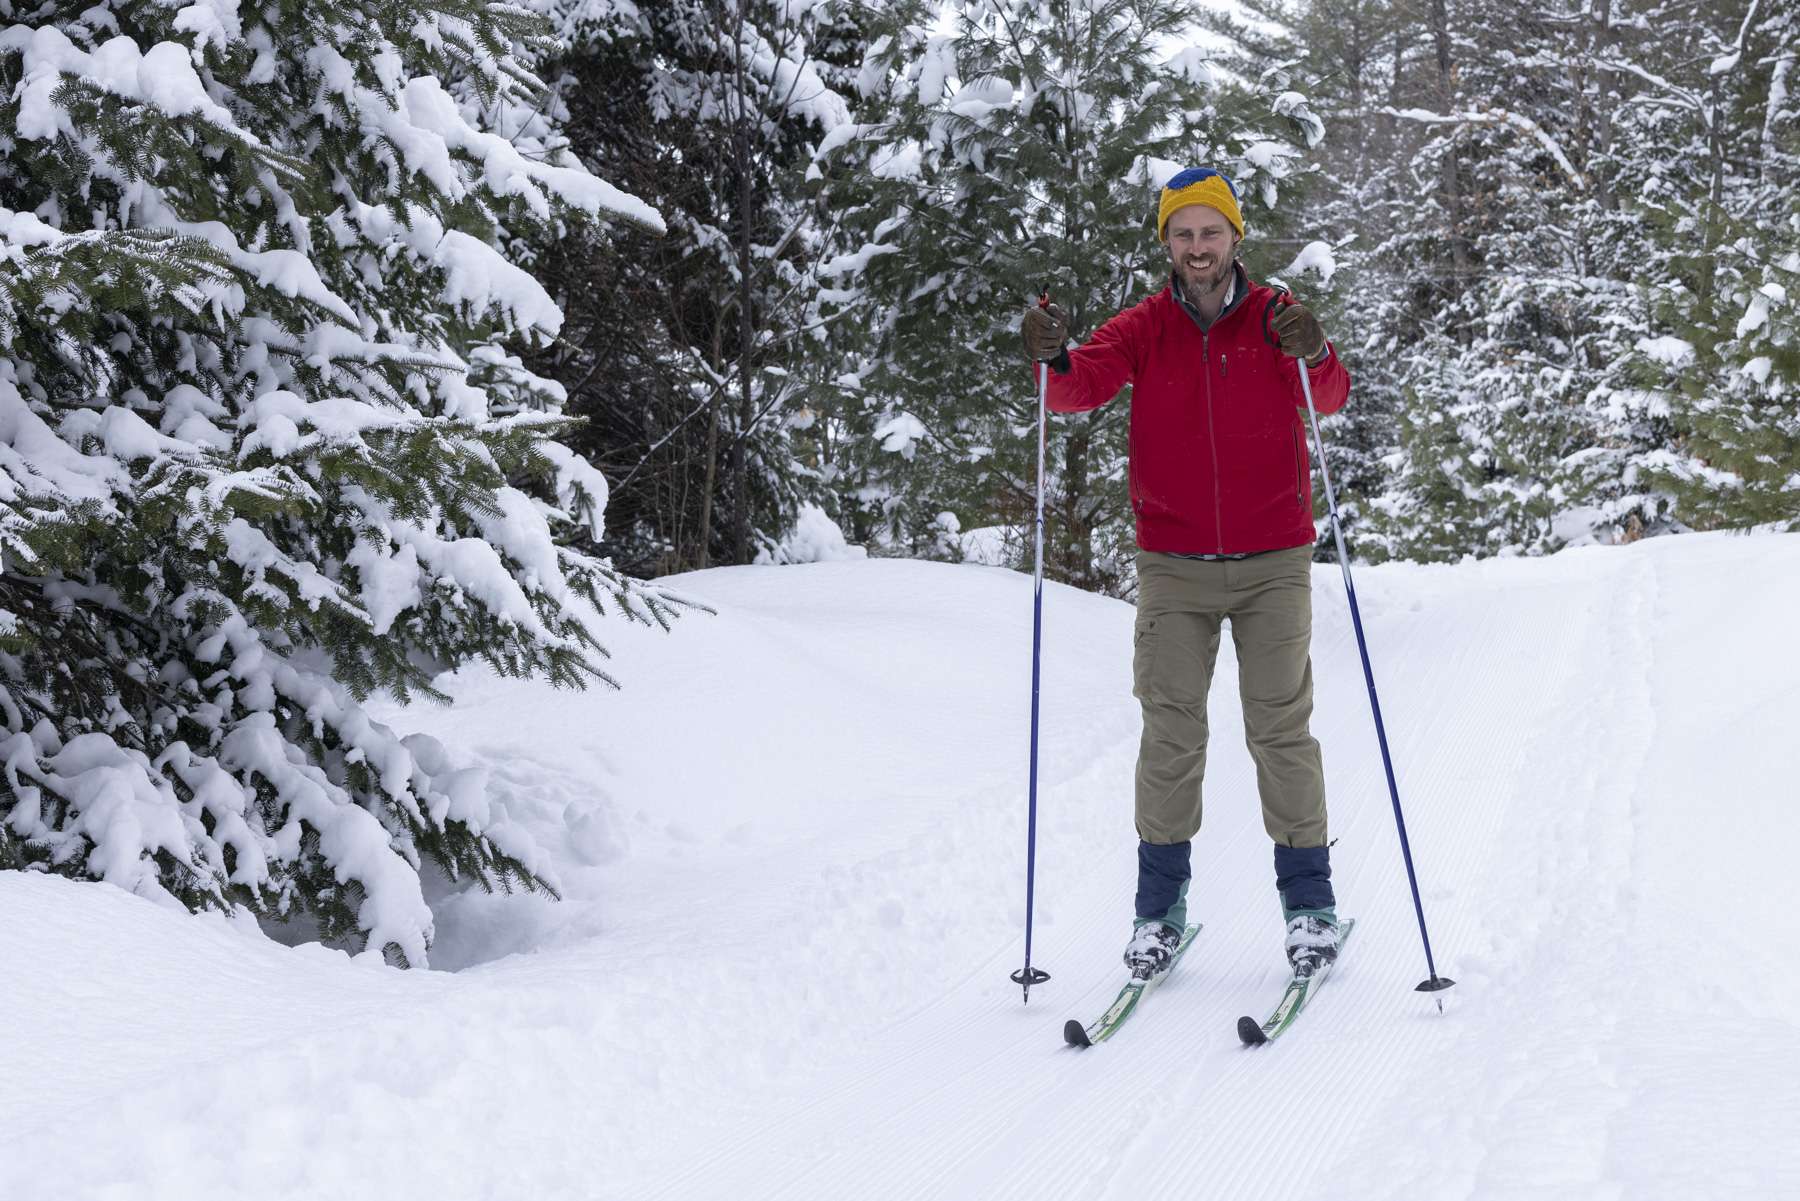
{"x":1293,"y":1000}
{"x":1108,"y":1023}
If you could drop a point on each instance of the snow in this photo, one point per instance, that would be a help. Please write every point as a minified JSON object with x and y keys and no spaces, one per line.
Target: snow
{"x":855,"y":262}
{"x":427,"y":129}
{"x":1757,"y":314}
{"x":122,"y":809}
{"x":474,"y":566}
{"x":780,"y":967}
{"x":214,"y":22}
{"x":1316,"y":257}
{"x":389,"y":582}
{"x":815,"y":538}
{"x":896,"y":162}
{"x":581,"y":489}
{"x":162,"y":76}
{"x":475,"y":273}
{"x":1667,"y":349}
{"x":23,"y":231}
{"x":980,"y":99}
{"x":935,"y":67}
{"x":1296,"y":106}
{"x":287,"y":271}
{"x":1497,"y":116}
{"x":900,"y":434}
{"x":35,"y":460}
{"x":804,"y":93}
{"x":1194,"y":64}
{"x":991,"y":545}
{"x":1269,"y":156}
{"x":480,"y":276}
{"x":839,"y":137}
{"x":1154,"y":172}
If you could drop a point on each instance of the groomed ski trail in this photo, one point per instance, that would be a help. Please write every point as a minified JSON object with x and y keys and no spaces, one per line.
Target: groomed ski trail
{"x":1012,"y":1113}
{"x":1522,"y":711}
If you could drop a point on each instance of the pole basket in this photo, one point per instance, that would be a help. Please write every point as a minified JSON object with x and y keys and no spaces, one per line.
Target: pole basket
{"x":1435,"y":987}
{"x":1025,"y":977}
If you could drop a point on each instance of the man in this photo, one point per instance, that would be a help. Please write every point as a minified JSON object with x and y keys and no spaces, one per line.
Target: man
{"x":1221,"y":489}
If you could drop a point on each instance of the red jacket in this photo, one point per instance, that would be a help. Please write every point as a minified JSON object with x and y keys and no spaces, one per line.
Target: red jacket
{"x":1218,"y":458}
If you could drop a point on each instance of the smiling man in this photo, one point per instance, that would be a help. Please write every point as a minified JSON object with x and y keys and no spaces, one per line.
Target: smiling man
{"x":1221,"y":490}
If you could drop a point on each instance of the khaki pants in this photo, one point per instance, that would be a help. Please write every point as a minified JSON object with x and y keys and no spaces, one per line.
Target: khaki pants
{"x":1182,"y":606}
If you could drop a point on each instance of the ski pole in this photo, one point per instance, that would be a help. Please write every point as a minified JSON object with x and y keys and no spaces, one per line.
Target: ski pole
{"x":1026,"y":976}
{"x":1436,"y":984}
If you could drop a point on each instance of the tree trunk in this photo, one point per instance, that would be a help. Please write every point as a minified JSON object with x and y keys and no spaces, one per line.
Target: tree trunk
{"x":1603,"y":106}
{"x":712,"y":477}
{"x":1077,"y":525}
{"x":1356,"y":55}
{"x":1714,"y":222}
{"x":740,"y":501}
{"x":709,"y":492}
{"x":1387,"y":126}
{"x":1778,"y":87}
{"x":1452,"y":175}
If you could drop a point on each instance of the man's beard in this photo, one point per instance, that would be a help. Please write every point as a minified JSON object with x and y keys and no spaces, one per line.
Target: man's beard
{"x":1199,"y":283}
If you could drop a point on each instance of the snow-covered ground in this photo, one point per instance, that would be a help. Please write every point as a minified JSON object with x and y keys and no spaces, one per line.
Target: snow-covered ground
{"x":793,"y":854}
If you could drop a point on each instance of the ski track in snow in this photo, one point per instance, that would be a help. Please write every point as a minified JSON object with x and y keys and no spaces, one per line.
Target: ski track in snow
{"x":793,"y":852}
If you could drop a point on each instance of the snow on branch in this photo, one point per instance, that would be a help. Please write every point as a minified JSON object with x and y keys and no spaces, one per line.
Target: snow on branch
{"x":1495,"y":116}
{"x":162,"y":77}
{"x":1680,"y":94}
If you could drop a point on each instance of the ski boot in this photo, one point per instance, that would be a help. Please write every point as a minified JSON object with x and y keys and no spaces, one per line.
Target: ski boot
{"x":1312,"y":941}
{"x":1151,"y":950}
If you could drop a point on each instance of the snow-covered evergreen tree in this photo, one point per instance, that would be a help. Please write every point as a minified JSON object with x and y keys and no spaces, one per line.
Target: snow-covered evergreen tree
{"x":1479,"y":302}
{"x":1019,"y":148}
{"x":1723,"y":358}
{"x":693,"y":353}
{"x":263,"y":447}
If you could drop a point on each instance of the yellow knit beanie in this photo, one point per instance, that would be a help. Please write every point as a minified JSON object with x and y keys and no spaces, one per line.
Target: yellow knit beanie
{"x":1198,"y":185}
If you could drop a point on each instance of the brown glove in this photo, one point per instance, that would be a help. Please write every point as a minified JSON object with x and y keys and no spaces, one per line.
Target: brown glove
{"x":1045,"y":330}
{"x":1299,"y":333}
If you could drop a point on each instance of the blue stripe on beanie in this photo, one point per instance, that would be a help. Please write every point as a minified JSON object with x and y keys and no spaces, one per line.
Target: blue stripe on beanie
{"x":1192,"y":175}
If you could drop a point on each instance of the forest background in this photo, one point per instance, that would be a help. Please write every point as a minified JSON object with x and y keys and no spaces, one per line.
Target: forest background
{"x":1555,"y":244}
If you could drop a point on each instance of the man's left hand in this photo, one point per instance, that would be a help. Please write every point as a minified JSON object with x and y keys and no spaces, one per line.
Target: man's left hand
{"x":1299,"y":333}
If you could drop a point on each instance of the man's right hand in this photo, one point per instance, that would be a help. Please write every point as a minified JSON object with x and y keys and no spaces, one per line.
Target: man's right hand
{"x":1045,"y":331}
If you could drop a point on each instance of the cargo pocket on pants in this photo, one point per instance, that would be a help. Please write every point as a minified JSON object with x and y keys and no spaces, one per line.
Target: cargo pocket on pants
{"x":1172,"y":662}
{"x":1142,"y":658}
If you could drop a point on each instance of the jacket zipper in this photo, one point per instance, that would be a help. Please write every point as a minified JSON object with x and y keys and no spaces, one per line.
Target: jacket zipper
{"x":1212,"y":441}
{"x":1131,"y":472}
{"x":1299,"y":472}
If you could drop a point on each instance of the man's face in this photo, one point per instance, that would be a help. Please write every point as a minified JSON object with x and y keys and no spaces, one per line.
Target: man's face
{"x":1201,"y":243}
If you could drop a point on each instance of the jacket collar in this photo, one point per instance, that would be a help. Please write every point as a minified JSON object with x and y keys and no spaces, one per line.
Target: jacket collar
{"x":1240,"y":292}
